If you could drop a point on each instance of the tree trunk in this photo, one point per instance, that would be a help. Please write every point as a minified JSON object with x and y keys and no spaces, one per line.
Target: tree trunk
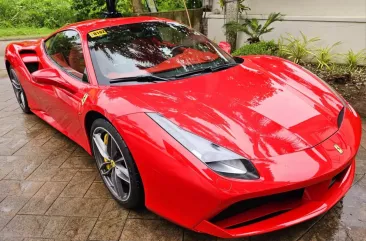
{"x":137,"y":6}
{"x":231,"y":14}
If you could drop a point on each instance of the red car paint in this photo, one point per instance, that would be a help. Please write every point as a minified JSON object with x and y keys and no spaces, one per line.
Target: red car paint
{"x":269,"y":110}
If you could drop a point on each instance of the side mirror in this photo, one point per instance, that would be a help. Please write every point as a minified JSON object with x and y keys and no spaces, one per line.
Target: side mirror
{"x":52,"y":77}
{"x":46,"y":76}
{"x":225,"y":46}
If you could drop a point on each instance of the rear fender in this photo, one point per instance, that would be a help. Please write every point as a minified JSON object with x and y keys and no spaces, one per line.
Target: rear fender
{"x":23,"y":58}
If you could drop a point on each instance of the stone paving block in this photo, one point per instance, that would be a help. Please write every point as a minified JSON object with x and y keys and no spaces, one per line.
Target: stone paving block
{"x":35,"y":146}
{"x":79,"y":184}
{"x":363,"y":140}
{"x":44,"y":198}
{"x":79,"y":151}
{"x":361,"y":161}
{"x":77,"y":162}
{"x":140,"y":229}
{"x":6,"y":127}
{"x":11,"y":107}
{"x":9,"y":207}
{"x":142,"y":213}
{"x":106,"y":230}
{"x":34,"y":226}
{"x":54,"y":227}
{"x":110,"y":222}
{"x":5,"y":168}
{"x":98,"y":190}
{"x":16,"y":188}
{"x":113,"y":209}
{"x":27,"y":130}
{"x":25,"y":226}
{"x":12,"y":239}
{"x":46,"y":172}
{"x":77,"y":229}
{"x":98,"y":178}
{"x":38,"y":239}
{"x":76,"y":207}
{"x":8,"y":146}
{"x":23,"y":166}
{"x":2,"y":197}
{"x":57,"y":158}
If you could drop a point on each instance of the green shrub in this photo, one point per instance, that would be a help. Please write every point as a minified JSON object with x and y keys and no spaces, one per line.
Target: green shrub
{"x":35,"y":13}
{"x":353,"y":59}
{"x":296,"y":49}
{"x":260,"y":48}
{"x":325,"y":56}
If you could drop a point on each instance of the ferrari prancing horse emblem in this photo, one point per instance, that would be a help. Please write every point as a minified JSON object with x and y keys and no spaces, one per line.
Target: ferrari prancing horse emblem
{"x":84,"y":99}
{"x":338,"y":148}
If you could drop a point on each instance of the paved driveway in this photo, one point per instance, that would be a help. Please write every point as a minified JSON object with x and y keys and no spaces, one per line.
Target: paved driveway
{"x":50,"y":190}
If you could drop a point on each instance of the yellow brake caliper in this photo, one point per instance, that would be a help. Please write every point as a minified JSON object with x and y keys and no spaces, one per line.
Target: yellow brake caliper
{"x":109,"y":166}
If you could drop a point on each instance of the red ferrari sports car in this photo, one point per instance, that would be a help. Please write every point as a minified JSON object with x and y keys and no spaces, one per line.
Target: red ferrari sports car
{"x":228,"y":146}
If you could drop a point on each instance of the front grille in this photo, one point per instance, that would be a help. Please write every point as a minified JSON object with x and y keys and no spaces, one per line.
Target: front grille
{"x":247,"y":205}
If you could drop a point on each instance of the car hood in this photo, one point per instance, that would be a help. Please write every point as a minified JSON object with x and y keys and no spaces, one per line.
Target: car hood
{"x":262,"y":108}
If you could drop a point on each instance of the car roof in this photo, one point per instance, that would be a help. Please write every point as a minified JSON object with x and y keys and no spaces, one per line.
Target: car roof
{"x":94,"y":24}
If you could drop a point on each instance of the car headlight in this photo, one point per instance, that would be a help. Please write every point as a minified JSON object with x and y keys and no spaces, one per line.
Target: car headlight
{"x":219,"y":159}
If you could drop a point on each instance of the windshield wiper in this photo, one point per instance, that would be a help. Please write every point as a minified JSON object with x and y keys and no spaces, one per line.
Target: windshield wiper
{"x":206,"y":70}
{"x":140,"y":78}
{"x":224,"y":66}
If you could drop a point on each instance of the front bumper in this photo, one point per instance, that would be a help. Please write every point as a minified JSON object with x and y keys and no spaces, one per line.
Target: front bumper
{"x":316,"y":199}
{"x":183,"y":190}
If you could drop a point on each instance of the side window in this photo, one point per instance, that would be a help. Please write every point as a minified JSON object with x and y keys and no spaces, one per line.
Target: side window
{"x":65,"y":49}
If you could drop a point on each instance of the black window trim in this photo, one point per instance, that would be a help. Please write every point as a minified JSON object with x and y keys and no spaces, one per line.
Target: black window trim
{"x":59,"y":66}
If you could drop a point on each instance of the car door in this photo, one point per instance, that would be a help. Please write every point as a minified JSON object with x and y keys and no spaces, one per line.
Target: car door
{"x":62,"y":99}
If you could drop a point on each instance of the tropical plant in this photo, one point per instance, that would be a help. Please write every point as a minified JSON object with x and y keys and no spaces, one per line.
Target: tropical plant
{"x":353,"y":59}
{"x":324,"y":56}
{"x":241,"y":6}
{"x":296,"y":49}
{"x":252,"y":27}
{"x":260,"y":48}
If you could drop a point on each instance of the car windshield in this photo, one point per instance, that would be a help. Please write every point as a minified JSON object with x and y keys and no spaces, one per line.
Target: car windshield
{"x":159,"y":49}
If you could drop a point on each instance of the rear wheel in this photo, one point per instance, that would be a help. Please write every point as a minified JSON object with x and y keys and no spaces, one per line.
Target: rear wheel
{"x":116,"y":165}
{"x":19,"y":91}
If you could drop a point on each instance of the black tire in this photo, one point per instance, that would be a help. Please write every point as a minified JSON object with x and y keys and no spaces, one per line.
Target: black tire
{"x":136,"y":194}
{"x":19,"y":91}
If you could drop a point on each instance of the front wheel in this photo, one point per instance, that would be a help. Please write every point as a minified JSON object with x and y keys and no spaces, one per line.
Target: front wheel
{"x":19,"y":91}
{"x":116,"y":165}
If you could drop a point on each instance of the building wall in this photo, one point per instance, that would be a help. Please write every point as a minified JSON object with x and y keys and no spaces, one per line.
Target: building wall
{"x":355,"y":8}
{"x":330,"y":20}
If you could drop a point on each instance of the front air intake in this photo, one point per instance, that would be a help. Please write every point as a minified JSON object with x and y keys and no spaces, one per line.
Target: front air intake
{"x":257,"y":209}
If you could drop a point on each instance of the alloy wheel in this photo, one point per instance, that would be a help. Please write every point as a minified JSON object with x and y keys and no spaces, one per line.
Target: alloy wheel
{"x":111,"y":163}
{"x":18,"y":90}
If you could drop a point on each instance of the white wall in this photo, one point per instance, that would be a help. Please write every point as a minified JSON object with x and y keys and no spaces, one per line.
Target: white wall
{"x":330,"y":20}
{"x":306,"y":7}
